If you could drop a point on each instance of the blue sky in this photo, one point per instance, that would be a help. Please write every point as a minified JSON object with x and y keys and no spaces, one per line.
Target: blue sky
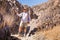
{"x":31,"y":2}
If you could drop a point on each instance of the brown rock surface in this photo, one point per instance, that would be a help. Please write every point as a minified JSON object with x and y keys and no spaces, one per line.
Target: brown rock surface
{"x":9,"y":21}
{"x":48,"y":14}
{"x":44,"y":16}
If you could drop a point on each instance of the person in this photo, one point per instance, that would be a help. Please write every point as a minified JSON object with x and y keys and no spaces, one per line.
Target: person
{"x":24,"y":21}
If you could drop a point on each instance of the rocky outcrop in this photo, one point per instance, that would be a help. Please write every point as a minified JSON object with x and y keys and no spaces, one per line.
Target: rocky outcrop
{"x":9,"y":21}
{"x":48,"y":14}
{"x":8,"y":9}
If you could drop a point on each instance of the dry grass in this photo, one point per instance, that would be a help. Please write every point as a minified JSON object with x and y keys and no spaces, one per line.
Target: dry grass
{"x":53,"y":34}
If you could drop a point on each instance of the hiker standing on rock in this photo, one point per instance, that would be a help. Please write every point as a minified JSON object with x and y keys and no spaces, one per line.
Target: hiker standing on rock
{"x":24,"y":21}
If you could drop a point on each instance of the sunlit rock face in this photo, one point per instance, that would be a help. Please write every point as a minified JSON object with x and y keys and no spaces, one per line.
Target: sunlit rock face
{"x":48,"y":17}
{"x":48,"y":14}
